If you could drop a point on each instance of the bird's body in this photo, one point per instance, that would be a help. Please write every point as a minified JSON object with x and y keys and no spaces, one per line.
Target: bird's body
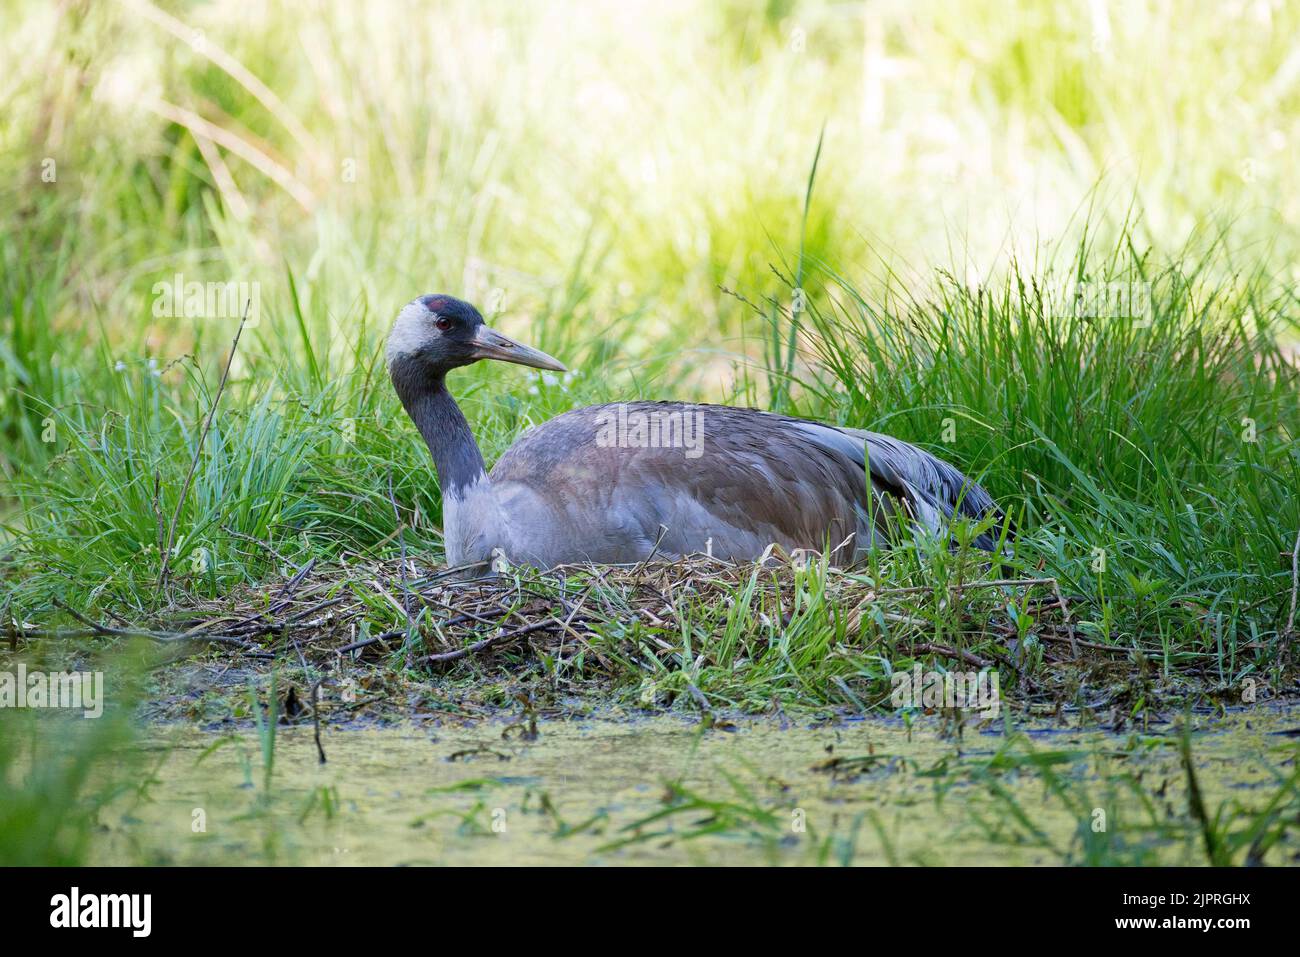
{"x":615,"y":484}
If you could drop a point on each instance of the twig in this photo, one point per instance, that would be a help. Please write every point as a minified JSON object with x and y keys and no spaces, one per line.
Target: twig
{"x":926,"y":647}
{"x":198,"y":453}
{"x":1065,"y":612}
{"x":315,"y":717}
{"x":366,"y":642}
{"x":487,"y":643}
{"x":315,"y":698}
{"x":257,"y":625}
{"x":162,"y":637}
{"x":103,"y":629}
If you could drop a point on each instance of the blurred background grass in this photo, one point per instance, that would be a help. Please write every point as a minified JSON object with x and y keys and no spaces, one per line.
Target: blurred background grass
{"x":615,"y":160}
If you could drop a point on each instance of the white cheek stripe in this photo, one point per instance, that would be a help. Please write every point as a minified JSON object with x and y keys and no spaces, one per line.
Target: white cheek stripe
{"x":409,"y":331}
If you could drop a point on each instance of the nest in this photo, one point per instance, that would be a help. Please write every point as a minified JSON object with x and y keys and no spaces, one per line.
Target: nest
{"x":426,"y":617}
{"x":398,"y":625}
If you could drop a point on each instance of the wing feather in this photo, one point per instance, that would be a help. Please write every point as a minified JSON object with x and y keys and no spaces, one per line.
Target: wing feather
{"x":755,"y":478}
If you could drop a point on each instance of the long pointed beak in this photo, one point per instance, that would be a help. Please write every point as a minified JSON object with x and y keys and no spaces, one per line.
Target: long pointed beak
{"x":490,"y":344}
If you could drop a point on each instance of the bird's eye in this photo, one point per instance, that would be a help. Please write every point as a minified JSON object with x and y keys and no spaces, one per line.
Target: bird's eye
{"x":443,"y":323}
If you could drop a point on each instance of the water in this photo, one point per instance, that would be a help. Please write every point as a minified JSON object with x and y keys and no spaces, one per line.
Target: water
{"x":660,"y":791}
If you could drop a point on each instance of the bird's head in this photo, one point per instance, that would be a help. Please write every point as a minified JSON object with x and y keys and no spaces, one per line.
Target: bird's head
{"x":434,"y":334}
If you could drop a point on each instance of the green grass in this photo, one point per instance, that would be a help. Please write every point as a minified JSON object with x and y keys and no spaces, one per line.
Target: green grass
{"x":60,"y":773}
{"x":1151,"y":469}
{"x":54,"y":780}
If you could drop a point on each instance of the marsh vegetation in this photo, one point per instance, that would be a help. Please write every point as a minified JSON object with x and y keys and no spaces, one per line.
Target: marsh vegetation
{"x":1016,"y":261}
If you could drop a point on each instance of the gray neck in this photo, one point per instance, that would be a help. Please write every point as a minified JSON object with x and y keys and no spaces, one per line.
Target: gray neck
{"x":451,"y":443}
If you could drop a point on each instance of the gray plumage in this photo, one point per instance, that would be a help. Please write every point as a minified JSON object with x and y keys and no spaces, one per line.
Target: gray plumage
{"x":618,"y":483}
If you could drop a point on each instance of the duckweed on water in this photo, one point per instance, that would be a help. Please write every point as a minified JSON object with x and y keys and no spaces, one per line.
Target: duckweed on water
{"x":664,"y":791}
